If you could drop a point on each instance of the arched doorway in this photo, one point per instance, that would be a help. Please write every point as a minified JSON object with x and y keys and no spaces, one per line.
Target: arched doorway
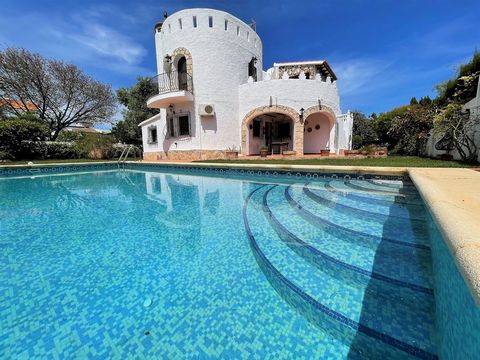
{"x":319,"y":133}
{"x":252,"y":69}
{"x":271,"y":130}
{"x":182,"y":73}
{"x":276,"y":127}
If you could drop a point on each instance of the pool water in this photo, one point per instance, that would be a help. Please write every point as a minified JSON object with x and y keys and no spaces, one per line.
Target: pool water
{"x":148,"y":264}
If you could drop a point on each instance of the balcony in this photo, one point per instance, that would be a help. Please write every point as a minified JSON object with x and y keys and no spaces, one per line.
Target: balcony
{"x":173,"y":88}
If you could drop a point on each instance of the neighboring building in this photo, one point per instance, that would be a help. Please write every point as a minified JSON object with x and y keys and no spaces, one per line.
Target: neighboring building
{"x":86,"y":128}
{"x":437,"y":145}
{"x":214,"y":95}
{"x":9,"y":106}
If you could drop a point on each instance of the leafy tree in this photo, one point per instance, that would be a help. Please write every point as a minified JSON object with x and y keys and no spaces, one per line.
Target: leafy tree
{"x":410,"y":127}
{"x":135,"y":101}
{"x":461,"y":127}
{"x":463,"y":87}
{"x":413,"y":101}
{"x":61,"y":93}
{"x":383,"y":124}
{"x":363,"y":130}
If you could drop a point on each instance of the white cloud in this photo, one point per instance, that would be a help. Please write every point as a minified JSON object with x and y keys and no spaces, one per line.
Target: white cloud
{"x":358,"y":75}
{"x":109,"y":42}
{"x":84,"y":38}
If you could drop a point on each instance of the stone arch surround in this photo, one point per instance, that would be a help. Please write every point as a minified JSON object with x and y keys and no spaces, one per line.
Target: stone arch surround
{"x":179,"y":52}
{"x":323,"y":108}
{"x":281,"y":109}
{"x":328,"y":111}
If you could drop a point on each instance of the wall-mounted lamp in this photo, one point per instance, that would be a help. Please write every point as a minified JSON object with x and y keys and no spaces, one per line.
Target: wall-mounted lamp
{"x":255,"y":60}
{"x":301,"y":114}
{"x":168,"y":59}
{"x":170,"y":107}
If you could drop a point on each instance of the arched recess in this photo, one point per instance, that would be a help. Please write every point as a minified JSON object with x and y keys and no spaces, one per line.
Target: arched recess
{"x":180,"y":52}
{"x":280,"y":109}
{"x":314,"y":116}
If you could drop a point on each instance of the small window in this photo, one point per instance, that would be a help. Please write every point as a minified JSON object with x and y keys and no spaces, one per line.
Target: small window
{"x":248,"y":36}
{"x":169,"y":27}
{"x":210,"y":21}
{"x":238,"y":30}
{"x":183,"y":125}
{"x":255,"y":42}
{"x":256,"y":128}
{"x":226,"y":24}
{"x":180,"y":24}
{"x":194,"y":21}
{"x":152,"y":135}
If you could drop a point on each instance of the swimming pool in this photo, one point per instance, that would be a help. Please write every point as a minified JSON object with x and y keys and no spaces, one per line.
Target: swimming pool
{"x":151,"y":262}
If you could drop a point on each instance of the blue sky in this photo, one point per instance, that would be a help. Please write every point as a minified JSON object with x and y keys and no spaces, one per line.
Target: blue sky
{"x":383,"y":52}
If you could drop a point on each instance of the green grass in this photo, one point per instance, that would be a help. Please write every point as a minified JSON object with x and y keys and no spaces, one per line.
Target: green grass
{"x":58,"y":161}
{"x":391,"y":161}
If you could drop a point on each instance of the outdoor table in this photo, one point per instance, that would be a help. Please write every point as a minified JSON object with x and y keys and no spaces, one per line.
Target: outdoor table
{"x":280,"y":145}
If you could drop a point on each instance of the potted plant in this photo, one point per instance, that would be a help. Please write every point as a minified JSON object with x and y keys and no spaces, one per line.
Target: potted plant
{"x":263,"y":151}
{"x":231,"y":153}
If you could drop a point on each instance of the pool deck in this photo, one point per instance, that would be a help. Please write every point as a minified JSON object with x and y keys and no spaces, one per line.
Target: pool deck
{"x":451,"y":194}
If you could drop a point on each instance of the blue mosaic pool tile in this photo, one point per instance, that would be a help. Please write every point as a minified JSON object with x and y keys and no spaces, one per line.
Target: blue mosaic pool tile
{"x":81,"y":253}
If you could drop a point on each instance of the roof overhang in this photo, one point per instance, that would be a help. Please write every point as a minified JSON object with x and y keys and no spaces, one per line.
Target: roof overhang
{"x":150,"y":120}
{"x":322,"y":63}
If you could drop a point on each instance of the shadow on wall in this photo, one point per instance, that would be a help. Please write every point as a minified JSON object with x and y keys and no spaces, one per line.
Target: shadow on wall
{"x":209,"y":123}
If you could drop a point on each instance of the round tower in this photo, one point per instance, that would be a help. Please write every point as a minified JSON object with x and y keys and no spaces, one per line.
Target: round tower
{"x":207,"y":54}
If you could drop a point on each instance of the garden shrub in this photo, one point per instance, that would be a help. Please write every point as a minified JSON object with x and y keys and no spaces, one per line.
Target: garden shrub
{"x":14,"y":131}
{"x":41,"y":150}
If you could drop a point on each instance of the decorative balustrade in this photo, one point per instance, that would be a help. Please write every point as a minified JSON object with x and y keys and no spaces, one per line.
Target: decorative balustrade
{"x":173,"y":81}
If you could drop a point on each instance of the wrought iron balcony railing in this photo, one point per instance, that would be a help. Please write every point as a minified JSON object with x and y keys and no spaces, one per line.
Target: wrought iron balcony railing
{"x":173,"y":81}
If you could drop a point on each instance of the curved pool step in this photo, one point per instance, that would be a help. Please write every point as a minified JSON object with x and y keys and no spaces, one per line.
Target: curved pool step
{"x":357,"y":211}
{"x":332,"y":305}
{"x":332,"y":226}
{"x":365,"y":187}
{"x":320,"y":250}
{"x":372,"y":198}
{"x":403,"y":263}
{"x":393,"y":185}
{"x":391,"y":230}
{"x":375,"y":204}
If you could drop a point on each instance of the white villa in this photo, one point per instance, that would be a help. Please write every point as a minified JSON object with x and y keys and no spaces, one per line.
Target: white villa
{"x":213,"y":95}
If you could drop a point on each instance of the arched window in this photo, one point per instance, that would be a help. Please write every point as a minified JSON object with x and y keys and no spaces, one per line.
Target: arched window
{"x":182,"y":74}
{"x":252,"y":70}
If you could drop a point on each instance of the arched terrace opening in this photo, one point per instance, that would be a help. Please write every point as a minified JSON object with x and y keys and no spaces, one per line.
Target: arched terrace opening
{"x":318,"y":130}
{"x":272,"y":130}
{"x":276,"y":127}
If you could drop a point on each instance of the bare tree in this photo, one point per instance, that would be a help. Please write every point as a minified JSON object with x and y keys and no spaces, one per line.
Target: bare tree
{"x":60,"y":93}
{"x":462,"y":127}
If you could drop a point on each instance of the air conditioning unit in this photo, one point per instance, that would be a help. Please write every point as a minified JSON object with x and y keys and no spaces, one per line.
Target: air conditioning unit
{"x":207,"y":110}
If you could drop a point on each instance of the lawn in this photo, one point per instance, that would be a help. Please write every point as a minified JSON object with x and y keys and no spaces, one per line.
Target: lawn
{"x":393,"y":161}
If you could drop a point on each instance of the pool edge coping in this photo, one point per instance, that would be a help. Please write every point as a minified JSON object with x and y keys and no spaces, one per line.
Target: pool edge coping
{"x":454,"y":203}
{"x":444,"y":191}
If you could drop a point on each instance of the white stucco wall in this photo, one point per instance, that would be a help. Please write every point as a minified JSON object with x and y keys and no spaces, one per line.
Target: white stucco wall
{"x":220,"y":61}
{"x":220,"y":64}
{"x":474,"y":107}
{"x":294,"y":93}
{"x":344,"y":131}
